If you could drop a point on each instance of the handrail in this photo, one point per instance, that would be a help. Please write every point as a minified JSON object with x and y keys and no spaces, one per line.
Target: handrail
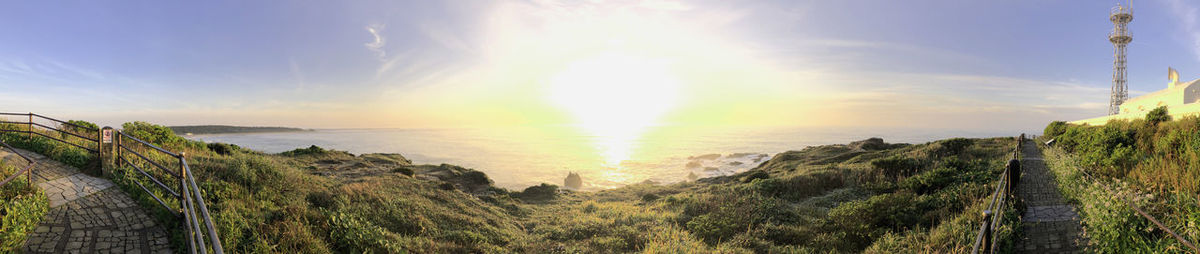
{"x":30,"y":123}
{"x":985,"y":239}
{"x":28,"y":170}
{"x":122,"y":133}
{"x":192,"y":207}
{"x":191,"y":202}
{"x":1125,"y":199}
{"x":65,"y":122}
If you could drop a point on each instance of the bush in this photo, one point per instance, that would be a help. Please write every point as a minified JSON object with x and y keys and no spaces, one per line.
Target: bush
{"x":897,"y":166}
{"x":476,"y":177}
{"x":22,"y":209}
{"x":865,"y":220}
{"x":929,"y":181}
{"x":649,"y":197}
{"x":311,"y":150}
{"x":753,"y":175}
{"x":1158,"y":115}
{"x":152,"y":133}
{"x":403,"y":170}
{"x":87,"y":130}
{"x":542,"y":192}
{"x":951,"y":147}
{"x":223,"y":148}
{"x":1054,"y":129}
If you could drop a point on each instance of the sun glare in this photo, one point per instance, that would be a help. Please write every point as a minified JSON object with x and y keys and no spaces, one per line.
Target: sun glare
{"x":615,"y":97}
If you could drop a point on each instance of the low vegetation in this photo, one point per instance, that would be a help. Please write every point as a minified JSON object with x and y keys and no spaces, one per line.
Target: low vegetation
{"x":868,"y":196}
{"x":22,"y":208}
{"x":1151,"y":162}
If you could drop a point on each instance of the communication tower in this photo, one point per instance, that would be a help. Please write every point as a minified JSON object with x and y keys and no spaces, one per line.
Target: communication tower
{"x":1120,"y":37}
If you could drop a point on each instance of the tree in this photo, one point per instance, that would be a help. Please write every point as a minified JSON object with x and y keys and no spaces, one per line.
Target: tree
{"x":1158,"y":115}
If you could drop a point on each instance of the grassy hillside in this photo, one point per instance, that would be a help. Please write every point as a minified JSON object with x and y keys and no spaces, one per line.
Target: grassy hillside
{"x":867,"y":196}
{"x":1153,"y":162}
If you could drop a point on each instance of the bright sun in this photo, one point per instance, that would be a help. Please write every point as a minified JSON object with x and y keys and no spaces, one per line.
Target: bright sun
{"x":615,"y":97}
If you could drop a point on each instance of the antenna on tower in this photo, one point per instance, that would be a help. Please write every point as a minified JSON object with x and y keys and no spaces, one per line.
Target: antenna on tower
{"x":1119,"y":37}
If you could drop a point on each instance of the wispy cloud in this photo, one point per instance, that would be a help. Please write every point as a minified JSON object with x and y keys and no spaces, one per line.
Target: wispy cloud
{"x":376,"y":45}
{"x":1189,"y":16}
{"x":296,"y":73}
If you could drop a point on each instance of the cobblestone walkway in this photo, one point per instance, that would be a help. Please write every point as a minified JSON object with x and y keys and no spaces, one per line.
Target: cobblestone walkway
{"x":87,"y":215}
{"x":1049,"y":224}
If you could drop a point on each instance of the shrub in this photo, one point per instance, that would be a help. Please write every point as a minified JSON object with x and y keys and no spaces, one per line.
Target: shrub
{"x":542,"y":192}
{"x":897,"y":166}
{"x":865,"y":220}
{"x":929,"y":181}
{"x":311,"y":150}
{"x":1158,"y":115}
{"x":952,"y":146}
{"x":1054,"y":129}
{"x":22,"y":209}
{"x":404,"y":170}
{"x":153,"y":133}
{"x":753,"y":175}
{"x":649,"y":197}
{"x":87,"y":129}
{"x":476,"y":177}
{"x":223,"y":148}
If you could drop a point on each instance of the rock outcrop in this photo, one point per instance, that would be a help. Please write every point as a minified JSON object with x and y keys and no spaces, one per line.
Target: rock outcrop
{"x":573,"y":181}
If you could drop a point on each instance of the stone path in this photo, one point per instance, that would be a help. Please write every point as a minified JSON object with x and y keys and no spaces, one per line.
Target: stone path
{"x":1049,"y":224}
{"x":87,"y":215}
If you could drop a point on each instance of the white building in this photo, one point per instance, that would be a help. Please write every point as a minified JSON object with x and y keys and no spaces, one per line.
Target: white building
{"x":1181,"y":99}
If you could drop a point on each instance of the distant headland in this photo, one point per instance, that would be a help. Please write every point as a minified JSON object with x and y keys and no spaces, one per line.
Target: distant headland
{"x":221,"y":129}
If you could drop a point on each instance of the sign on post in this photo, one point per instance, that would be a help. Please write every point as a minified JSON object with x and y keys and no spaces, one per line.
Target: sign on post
{"x":106,"y":136}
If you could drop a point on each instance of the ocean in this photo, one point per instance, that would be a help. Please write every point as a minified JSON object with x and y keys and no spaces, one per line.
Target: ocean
{"x":518,"y":157}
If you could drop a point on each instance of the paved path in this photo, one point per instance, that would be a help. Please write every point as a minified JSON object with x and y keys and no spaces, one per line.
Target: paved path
{"x":87,"y":214}
{"x":1049,"y":224}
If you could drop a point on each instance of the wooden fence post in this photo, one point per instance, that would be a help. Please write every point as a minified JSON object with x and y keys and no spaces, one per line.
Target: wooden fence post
{"x":987,"y":231}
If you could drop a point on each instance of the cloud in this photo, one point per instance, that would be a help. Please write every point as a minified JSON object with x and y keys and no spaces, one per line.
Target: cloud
{"x":377,"y":44}
{"x":1189,"y":16}
{"x":665,"y":5}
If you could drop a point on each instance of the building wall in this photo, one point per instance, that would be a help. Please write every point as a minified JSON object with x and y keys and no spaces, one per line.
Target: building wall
{"x":1181,"y":100}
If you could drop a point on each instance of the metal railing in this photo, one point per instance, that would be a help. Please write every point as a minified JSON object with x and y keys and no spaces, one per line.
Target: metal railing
{"x":91,"y":144}
{"x":28,"y":170}
{"x":986,"y":238}
{"x":192,"y":208}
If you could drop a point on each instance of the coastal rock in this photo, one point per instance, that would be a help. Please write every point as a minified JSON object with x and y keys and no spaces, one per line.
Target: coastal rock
{"x":739,"y":155}
{"x":694,"y":164}
{"x":692,"y":176}
{"x":735,"y":163}
{"x":573,"y":181}
{"x":712,"y":156}
{"x":711,"y":169}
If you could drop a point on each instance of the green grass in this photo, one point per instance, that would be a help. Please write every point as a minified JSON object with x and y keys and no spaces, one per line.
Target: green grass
{"x":890,"y":198}
{"x":23,"y":207}
{"x":1152,"y":162}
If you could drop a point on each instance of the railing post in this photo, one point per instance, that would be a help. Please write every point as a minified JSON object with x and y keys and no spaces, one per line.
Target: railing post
{"x":183,"y":211}
{"x":1014,"y":175}
{"x":30,"y":126}
{"x":987,"y":231}
{"x":117,"y":147}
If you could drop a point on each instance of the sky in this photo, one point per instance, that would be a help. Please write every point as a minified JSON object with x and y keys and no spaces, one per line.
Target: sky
{"x":964,"y":65}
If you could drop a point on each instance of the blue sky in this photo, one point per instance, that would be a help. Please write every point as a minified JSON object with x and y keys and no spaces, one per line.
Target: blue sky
{"x":972,"y":65}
